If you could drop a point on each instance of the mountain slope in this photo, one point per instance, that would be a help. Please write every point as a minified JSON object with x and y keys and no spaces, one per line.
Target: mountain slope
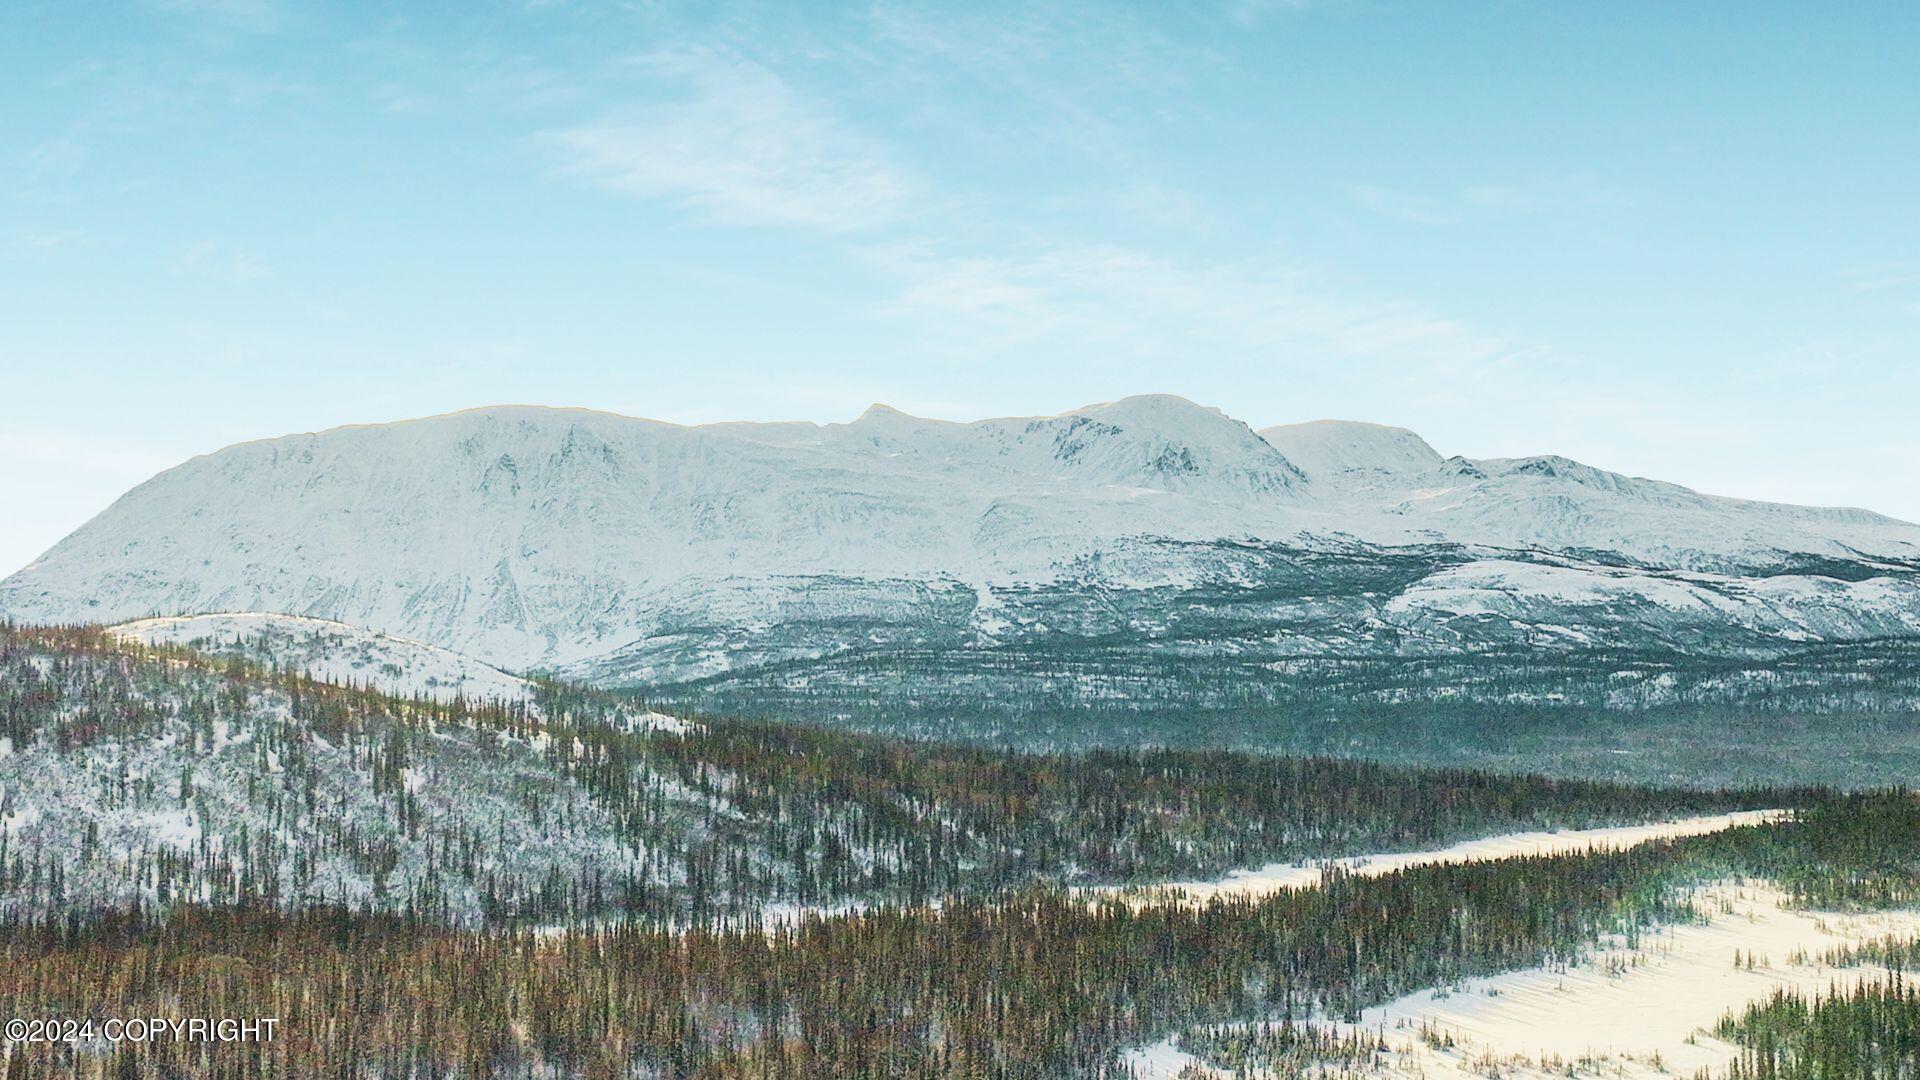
{"x":1558,"y":504}
{"x":638,"y":552}
{"x":1330,"y":449}
{"x":536,"y":536}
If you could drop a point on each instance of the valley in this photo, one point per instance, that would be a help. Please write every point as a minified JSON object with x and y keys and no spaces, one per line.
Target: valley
{"x":138,"y":777}
{"x":703,"y":870}
{"x":1126,"y":742}
{"x":921,"y":540}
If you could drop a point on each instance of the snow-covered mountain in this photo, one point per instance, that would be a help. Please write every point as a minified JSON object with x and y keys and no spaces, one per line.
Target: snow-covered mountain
{"x":1557,"y":504}
{"x":1337,"y":452}
{"x":628,"y":550}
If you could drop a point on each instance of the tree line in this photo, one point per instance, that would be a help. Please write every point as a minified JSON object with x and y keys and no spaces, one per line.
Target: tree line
{"x":1031,"y":984}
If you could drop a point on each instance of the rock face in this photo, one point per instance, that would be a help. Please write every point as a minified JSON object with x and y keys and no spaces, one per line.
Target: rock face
{"x":629,"y":550}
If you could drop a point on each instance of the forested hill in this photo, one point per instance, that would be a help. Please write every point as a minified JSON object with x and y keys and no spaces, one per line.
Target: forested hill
{"x":142,"y":777}
{"x":1036,"y":986}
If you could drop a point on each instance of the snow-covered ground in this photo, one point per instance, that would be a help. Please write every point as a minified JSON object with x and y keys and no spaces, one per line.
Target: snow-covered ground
{"x":1787,"y":607}
{"x":350,"y":655}
{"x":1627,"y":1010}
{"x":336,"y":652}
{"x":1276,"y":877}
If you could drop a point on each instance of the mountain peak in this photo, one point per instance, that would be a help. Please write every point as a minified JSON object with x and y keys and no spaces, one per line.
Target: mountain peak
{"x":1165,"y":441}
{"x":1173,"y":419}
{"x":1156,"y":409}
{"x":1329,"y":448}
{"x":879,"y":414}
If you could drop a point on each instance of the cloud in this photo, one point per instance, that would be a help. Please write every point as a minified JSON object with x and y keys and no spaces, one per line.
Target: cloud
{"x":1074,"y":81}
{"x":1133,"y":302}
{"x":742,"y":147}
{"x":1163,"y":207}
{"x":220,"y":262}
{"x":1247,"y":13}
{"x":1389,"y":202}
{"x":1541,"y":196}
{"x":1545,"y":195}
{"x":51,"y":239}
{"x":259,"y":15}
{"x":1892,"y":277}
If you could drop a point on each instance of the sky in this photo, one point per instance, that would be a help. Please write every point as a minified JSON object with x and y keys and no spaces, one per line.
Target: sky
{"x":1674,"y":240}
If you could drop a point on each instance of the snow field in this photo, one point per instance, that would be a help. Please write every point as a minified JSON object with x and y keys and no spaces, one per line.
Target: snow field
{"x":1629,"y":1009}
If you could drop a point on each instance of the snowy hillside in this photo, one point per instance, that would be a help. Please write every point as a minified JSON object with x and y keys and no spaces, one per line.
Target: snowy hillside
{"x":336,"y":653}
{"x":135,"y":777}
{"x":1330,"y":450}
{"x":630,"y":550}
{"x":130,"y":780}
{"x":1557,"y":504}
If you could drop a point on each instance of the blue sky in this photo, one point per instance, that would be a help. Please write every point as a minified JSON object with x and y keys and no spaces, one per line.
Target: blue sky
{"x":1678,"y":240}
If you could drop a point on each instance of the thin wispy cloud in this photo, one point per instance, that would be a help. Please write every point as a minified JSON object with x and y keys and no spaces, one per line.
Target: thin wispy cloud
{"x":221,"y":262}
{"x":1144,"y":303}
{"x":1051,"y":50}
{"x":1877,"y":279}
{"x":1401,"y":205}
{"x":1161,"y":206}
{"x":1090,"y":78}
{"x":1547,"y":195}
{"x":257,"y":15}
{"x":46,"y":240}
{"x":739,"y":145}
{"x":1540,"y":196}
{"x":1249,"y":13}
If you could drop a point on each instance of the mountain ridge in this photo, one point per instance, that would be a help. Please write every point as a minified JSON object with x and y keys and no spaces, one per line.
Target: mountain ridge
{"x":541,"y":537}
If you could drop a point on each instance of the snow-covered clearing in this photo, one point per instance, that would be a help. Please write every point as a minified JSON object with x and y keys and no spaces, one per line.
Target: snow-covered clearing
{"x":338,"y":653}
{"x":350,"y":655}
{"x":1627,"y":1010}
{"x":1276,"y":877}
